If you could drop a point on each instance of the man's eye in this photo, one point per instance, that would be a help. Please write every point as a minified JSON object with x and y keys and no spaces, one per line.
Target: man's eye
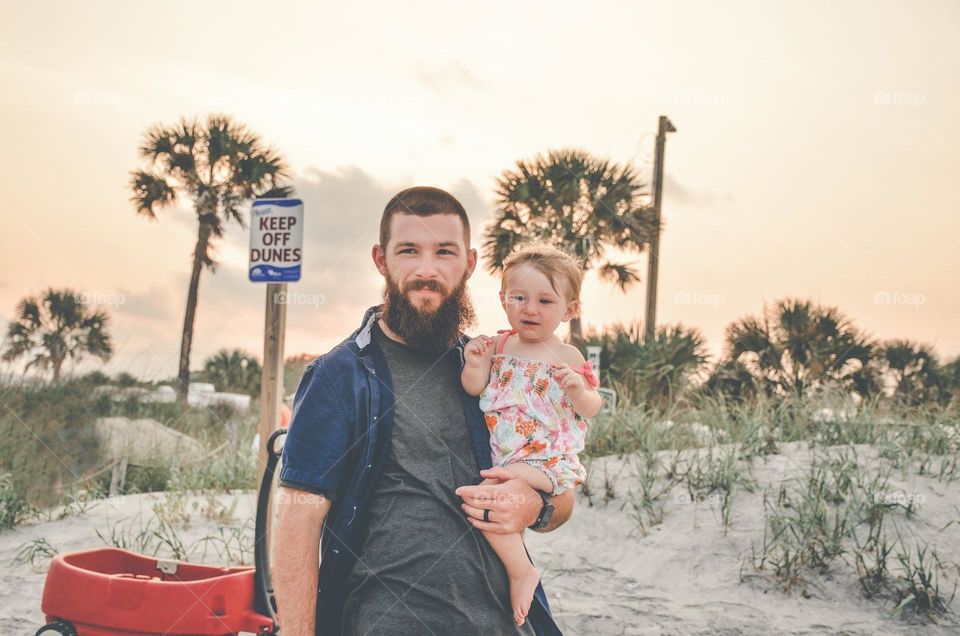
{"x":445,"y":252}
{"x":407,"y":250}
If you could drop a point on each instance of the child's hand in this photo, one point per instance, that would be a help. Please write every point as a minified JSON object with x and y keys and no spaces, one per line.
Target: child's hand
{"x":478,"y":350}
{"x":570,"y":381}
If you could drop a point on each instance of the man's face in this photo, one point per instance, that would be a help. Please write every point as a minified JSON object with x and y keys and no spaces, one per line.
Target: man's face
{"x":426,"y":265}
{"x":426,"y":257}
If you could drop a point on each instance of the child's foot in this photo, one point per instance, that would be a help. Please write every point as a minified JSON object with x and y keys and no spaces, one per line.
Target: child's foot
{"x":521,"y":593}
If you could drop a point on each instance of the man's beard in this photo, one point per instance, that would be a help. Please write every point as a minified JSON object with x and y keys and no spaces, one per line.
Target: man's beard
{"x":430,"y":331}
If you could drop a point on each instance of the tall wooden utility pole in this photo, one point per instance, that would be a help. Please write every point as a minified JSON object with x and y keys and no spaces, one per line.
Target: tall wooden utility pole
{"x":650,"y":319}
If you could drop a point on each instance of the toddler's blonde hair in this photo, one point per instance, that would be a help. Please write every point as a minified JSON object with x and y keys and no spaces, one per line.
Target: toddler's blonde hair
{"x":550,"y":261}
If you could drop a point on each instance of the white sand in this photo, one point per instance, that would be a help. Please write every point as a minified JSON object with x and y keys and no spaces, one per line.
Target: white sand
{"x":601,"y":574}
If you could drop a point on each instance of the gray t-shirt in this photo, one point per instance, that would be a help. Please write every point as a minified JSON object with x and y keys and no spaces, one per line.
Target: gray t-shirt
{"x":423,"y":568}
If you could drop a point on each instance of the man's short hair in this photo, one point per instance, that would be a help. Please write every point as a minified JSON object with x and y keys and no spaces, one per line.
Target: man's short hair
{"x":423,"y":201}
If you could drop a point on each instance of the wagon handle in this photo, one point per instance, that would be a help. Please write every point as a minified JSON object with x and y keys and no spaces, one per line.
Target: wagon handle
{"x":264,"y":600}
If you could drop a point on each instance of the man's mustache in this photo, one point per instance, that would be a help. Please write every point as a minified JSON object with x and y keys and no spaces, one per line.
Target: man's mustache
{"x":432,"y":285}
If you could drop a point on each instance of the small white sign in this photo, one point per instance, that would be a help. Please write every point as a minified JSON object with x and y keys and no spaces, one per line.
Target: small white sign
{"x":276,"y":240}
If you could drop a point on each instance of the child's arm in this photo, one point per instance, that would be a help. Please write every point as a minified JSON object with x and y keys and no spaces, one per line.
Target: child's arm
{"x":584,"y":398}
{"x":476,"y":368}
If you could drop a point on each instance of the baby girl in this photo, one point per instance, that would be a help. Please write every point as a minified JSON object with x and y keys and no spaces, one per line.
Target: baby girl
{"x":535,"y":391}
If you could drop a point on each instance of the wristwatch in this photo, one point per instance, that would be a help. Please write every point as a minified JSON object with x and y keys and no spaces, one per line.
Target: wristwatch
{"x":545,"y":512}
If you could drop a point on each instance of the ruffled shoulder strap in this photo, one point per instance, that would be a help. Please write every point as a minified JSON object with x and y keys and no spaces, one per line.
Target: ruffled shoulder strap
{"x":502,"y":340}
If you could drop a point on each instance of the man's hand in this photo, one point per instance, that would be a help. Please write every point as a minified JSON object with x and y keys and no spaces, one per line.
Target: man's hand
{"x":512,"y":502}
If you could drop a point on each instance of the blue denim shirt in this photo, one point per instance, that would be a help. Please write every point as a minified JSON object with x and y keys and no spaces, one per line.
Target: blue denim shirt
{"x":338,"y":438}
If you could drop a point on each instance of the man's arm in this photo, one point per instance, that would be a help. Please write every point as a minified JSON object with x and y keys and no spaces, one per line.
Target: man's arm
{"x":296,"y":558}
{"x":513,"y":504}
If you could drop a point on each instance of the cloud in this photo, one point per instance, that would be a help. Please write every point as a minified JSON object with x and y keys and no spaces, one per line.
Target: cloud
{"x":153,"y":304}
{"x":449,"y":77}
{"x":342,"y":211}
{"x":338,"y":282}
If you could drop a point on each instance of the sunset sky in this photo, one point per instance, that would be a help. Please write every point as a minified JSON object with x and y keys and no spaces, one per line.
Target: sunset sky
{"x":817,"y":153}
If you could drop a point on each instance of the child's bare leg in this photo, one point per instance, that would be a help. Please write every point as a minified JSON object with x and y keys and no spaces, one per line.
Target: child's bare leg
{"x":509,"y":547}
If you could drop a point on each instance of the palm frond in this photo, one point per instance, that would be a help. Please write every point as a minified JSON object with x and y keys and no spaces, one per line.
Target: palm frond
{"x":623,"y":275}
{"x":151,"y":192}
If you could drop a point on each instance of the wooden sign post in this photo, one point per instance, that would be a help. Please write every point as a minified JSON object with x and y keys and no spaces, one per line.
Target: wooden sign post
{"x":276,"y":252}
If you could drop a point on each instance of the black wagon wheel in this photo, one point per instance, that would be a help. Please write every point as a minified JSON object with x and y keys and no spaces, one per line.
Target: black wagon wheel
{"x":57,"y":627}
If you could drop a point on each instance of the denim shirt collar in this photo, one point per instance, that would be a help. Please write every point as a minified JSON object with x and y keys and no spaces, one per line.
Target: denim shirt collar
{"x":362,"y":336}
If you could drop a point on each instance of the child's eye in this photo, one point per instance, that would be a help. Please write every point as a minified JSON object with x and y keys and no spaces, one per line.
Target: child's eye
{"x":545,"y":301}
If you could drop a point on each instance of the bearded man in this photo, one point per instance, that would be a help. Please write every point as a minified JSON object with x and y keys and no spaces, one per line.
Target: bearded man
{"x":384,"y":455}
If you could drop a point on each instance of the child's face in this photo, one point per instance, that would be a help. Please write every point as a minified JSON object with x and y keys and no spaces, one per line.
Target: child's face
{"x":533,"y":307}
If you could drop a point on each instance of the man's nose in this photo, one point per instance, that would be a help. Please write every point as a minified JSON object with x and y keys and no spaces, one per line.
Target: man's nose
{"x":427,"y":267}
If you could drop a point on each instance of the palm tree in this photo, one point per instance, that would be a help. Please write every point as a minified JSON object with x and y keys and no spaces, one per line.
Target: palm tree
{"x":574,"y":201}
{"x":915,"y":372}
{"x":233,"y":370}
{"x":652,"y":371}
{"x":56,"y":326}
{"x":951,"y":375}
{"x":796,"y":347}
{"x":732,"y":379}
{"x":219,"y":165}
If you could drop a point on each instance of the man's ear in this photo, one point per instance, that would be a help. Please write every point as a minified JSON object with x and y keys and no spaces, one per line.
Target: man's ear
{"x":379,"y":259}
{"x":471,"y":262}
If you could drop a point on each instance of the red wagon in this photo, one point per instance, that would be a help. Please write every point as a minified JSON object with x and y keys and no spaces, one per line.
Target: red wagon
{"x":108,"y":591}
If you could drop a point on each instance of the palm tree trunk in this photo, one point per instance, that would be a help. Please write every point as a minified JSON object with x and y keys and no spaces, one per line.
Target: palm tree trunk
{"x":576,"y":336}
{"x":186,"y":340}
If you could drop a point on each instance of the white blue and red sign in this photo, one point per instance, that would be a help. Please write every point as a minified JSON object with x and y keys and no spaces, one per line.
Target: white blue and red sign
{"x":276,"y":240}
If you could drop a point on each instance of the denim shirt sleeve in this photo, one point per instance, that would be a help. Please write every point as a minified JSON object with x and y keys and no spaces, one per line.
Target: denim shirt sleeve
{"x":318,"y":438}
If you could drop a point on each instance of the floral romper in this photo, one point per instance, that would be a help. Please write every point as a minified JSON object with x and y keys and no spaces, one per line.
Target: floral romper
{"x":530,"y":418}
